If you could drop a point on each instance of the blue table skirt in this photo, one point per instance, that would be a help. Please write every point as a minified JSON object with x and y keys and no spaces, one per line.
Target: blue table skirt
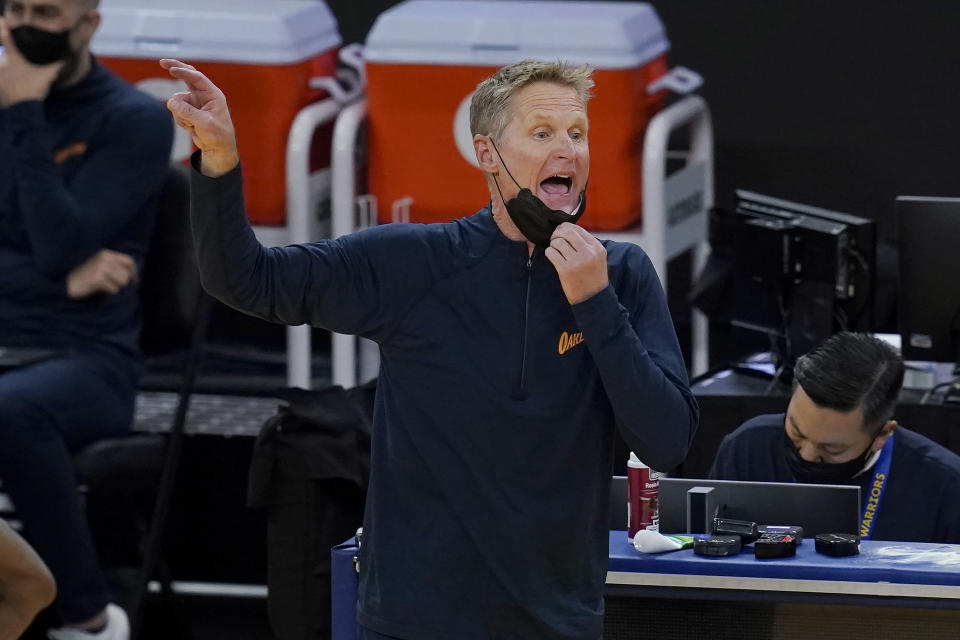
{"x":900,"y":569}
{"x":878,"y":562}
{"x":343,"y":593}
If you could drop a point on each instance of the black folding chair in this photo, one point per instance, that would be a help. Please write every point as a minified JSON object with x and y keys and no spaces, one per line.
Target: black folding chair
{"x":176,"y":314}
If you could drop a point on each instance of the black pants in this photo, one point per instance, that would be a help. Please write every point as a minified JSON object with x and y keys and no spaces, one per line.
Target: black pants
{"x":48,"y":411}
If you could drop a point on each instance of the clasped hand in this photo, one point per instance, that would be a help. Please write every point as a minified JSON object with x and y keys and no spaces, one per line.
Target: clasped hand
{"x":106,"y":271}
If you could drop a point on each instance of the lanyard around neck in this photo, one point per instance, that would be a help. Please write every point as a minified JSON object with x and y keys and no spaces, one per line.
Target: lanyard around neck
{"x":876,"y":489}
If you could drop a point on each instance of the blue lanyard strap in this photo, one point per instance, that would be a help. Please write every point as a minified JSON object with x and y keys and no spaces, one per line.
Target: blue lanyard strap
{"x":881,"y":475}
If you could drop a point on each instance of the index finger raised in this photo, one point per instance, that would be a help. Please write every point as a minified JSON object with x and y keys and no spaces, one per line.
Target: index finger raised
{"x":194,"y":79}
{"x":170,"y":63}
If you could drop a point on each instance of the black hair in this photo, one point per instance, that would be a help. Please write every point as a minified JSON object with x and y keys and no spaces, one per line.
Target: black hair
{"x":850,"y":370}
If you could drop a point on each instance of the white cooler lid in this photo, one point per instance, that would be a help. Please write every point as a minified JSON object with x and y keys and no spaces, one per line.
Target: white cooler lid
{"x":241,"y":31}
{"x":611,"y":35}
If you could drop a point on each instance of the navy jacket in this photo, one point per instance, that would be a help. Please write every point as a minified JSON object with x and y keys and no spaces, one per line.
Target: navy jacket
{"x":919,"y":502}
{"x":79,"y":172}
{"x":495,"y":411}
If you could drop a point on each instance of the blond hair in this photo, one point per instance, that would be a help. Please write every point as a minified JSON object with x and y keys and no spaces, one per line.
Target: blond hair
{"x":490,"y":105}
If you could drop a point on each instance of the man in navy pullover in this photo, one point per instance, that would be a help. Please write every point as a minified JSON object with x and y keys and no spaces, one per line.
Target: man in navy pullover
{"x":508,"y":360}
{"x":82,"y":158}
{"x":839,"y":429}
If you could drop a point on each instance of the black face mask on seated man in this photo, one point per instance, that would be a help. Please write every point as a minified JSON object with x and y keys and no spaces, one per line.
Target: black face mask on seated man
{"x":535,"y":220}
{"x":41,"y":47}
{"x":808,"y":472}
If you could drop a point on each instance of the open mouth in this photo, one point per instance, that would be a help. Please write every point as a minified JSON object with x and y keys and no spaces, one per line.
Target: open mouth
{"x":557,"y":185}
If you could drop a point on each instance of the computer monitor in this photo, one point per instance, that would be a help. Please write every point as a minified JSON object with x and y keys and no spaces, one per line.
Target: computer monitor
{"x":689,"y":505}
{"x":929,"y":288}
{"x":796,"y":272}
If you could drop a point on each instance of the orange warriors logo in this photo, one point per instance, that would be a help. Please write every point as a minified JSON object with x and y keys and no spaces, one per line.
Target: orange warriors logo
{"x":76,"y":149}
{"x":569,"y":341}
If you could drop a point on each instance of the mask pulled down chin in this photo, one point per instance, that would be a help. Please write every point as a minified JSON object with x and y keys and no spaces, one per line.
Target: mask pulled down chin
{"x":535,"y":220}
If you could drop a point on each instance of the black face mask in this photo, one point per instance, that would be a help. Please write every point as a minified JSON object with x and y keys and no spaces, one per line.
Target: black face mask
{"x":535,"y":220}
{"x":821,"y":472}
{"x":41,"y":47}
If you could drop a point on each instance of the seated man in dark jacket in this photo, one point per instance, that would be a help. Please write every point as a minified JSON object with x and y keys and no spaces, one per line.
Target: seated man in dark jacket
{"x":82,"y":159}
{"x":839,"y":429}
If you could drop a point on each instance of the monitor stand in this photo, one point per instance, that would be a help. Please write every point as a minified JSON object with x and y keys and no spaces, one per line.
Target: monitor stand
{"x":768,"y":365}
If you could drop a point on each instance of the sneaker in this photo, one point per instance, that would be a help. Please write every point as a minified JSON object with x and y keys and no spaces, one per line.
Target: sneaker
{"x":117,"y":628}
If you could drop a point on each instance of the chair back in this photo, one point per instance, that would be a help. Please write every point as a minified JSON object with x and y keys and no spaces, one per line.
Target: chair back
{"x":170,"y":281}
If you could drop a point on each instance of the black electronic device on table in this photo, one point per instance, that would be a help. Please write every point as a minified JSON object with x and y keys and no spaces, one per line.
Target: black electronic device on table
{"x":775,"y":545}
{"x":744,"y":529}
{"x":717,"y":546}
{"x":689,"y":505}
{"x":784,"y":530}
{"x":929,"y":284}
{"x":838,"y":545}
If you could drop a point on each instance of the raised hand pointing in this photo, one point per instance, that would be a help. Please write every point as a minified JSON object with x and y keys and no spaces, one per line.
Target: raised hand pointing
{"x":202,"y":112}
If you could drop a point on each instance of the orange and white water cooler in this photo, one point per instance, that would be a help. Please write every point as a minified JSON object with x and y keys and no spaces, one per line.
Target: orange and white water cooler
{"x":263,"y":55}
{"x":424,"y":58}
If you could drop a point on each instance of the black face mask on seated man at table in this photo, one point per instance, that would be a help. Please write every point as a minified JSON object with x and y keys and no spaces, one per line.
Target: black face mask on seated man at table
{"x":41,"y":47}
{"x":808,"y":472}
{"x":535,"y":220}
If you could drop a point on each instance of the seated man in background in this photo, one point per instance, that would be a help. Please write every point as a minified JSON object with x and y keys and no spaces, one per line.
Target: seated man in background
{"x":839,"y":429}
{"x":82,"y":158}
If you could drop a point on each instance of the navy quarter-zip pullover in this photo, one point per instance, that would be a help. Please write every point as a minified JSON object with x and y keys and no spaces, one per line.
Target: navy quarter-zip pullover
{"x":56,"y":156}
{"x":495,"y":410}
